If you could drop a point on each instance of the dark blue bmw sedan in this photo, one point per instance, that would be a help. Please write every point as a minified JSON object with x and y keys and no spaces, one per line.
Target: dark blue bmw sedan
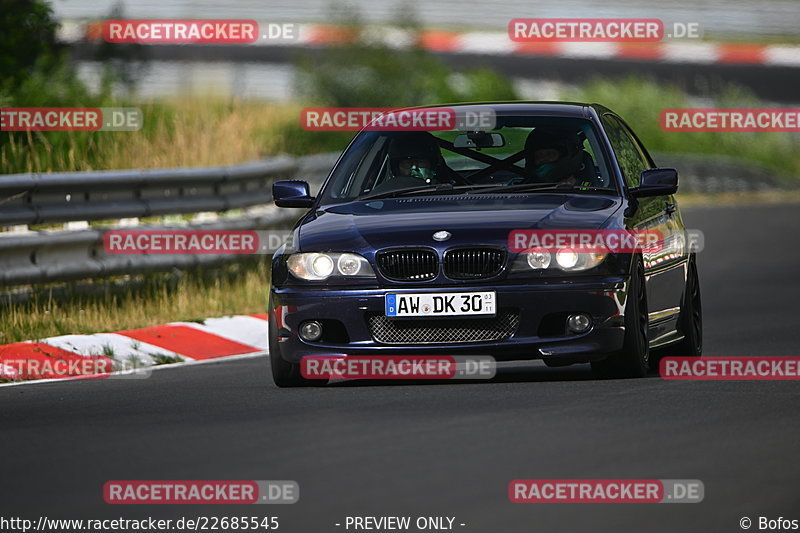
{"x":405,"y":251}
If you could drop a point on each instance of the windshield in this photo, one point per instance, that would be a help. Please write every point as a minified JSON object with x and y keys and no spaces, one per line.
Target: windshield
{"x":522,"y":154}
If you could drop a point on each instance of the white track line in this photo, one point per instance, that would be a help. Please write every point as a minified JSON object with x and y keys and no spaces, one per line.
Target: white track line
{"x":148,"y":369}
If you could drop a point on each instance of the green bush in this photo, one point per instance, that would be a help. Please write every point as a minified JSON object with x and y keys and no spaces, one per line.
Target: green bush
{"x":369,"y":73}
{"x":36,"y":73}
{"x":27,"y":42}
{"x":366,"y":72}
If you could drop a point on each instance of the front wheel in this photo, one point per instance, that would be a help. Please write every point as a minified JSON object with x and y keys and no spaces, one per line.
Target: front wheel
{"x":690,"y":320}
{"x":633,"y":360}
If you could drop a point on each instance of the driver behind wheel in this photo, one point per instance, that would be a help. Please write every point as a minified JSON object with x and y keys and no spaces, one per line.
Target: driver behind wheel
{"x":557,"y":156}
{"x":416,"y":155}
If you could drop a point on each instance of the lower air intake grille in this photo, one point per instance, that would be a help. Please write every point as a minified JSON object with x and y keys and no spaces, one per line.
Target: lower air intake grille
{"x":443,"y":330}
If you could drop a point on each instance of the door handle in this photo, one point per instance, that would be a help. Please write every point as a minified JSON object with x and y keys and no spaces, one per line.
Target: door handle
{"x":671,"y":208}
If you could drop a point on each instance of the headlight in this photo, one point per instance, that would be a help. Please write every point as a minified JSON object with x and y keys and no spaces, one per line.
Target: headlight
{"x":349,"y":264}
{"x":320,"y":266}
{"x":573,"y":261}
{"x":538,"y":259}
{"x":565,"y":259}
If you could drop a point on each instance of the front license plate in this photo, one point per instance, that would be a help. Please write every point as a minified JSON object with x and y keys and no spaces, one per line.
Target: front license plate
{"x":441,"y":304}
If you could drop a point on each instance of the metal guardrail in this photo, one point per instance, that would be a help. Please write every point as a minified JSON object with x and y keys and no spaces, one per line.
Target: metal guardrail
{"x":32,"y":257}
{"x":103,"y":195}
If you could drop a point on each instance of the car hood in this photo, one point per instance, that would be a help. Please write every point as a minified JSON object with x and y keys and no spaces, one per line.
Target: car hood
{"x":483,"y":219}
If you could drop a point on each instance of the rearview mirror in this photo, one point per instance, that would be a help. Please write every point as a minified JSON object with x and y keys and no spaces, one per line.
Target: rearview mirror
{"x":479,"y":139}
{"x":292,"y":193}
{"x":656,"y":182}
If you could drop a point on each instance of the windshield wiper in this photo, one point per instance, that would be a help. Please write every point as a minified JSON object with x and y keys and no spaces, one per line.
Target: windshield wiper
{"x":442,"y":187}
{"x":522,"y":187}
{"x":476,"y":189}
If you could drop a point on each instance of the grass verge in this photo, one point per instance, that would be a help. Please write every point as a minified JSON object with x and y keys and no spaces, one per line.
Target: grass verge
{"x":730,"y":199}
{"x":148,"y":301}
{"x":217,"y":131}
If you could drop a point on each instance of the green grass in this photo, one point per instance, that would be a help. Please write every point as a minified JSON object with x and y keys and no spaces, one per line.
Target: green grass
{"x":108,"y":350}
{"x":209,"y":131}
{"x":732,"y":199}
{"x":165,"y":359}
{"x":186,"y":133}
{"x":640,"y":101}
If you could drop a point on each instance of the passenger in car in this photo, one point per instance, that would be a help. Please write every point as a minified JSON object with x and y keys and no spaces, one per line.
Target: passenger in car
{"x":557,"y":156}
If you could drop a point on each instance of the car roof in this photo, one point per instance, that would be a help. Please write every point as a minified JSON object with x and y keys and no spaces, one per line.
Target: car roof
{"x":517,"y":107}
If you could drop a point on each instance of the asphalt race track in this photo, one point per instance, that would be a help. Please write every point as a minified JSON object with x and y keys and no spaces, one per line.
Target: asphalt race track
{"x":448,"y":449}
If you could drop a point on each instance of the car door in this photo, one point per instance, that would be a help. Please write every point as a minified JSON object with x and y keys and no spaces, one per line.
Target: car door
{"x":663,"y":265}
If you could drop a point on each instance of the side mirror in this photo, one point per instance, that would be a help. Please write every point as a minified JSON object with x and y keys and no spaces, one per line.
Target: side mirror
{"x":656,"y":182}
{"x":292,"y":193}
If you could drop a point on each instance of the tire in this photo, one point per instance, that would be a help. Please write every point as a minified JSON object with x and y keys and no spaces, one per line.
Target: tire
{"x":633,"y":360}
{"x":284,"y":373}
{"x":690,"y":320}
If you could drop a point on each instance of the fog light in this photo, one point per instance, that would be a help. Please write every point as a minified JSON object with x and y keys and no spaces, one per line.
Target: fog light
{"x":579,"y":322}
{"x":311,"y":331}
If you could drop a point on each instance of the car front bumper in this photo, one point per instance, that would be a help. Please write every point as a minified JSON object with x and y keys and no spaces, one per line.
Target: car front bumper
{"x":541,"y":308}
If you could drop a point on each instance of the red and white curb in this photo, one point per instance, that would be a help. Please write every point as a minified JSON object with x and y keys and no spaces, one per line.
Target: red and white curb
{"x":499,"y":43}
{"x":211,"y":339}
